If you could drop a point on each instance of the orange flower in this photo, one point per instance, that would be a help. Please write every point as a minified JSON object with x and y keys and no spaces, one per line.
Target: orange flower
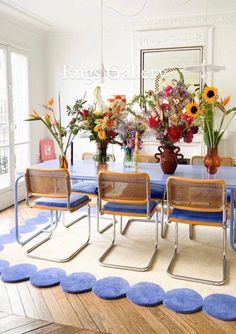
{"x":50,"y":103}
{"x":225,"y":101}
{"x":110,"y":123}
{"x":34,"y":114}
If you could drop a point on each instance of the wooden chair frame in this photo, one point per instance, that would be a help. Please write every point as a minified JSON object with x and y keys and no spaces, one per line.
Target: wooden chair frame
{"x":121,"y":214}
{"x":221,"y":183}
{"x":49,"y":229}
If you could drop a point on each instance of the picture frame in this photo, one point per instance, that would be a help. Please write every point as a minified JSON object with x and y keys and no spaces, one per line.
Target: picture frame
{"x":46,"y":149}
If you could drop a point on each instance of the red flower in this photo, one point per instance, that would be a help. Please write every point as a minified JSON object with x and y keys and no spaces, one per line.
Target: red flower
{"x":153,"y":122}
{"x":165,"y":106}
{"x":85,"y":113}
{"x":174,"y":133}
{"x":188,"y":138}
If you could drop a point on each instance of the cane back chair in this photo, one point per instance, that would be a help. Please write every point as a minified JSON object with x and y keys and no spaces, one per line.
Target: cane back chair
{"x":157,"y":191}
{"x":126,"y":194}
{"x":90,"y":188}
{"x":52,"y":189}
{"x":196,"y":202}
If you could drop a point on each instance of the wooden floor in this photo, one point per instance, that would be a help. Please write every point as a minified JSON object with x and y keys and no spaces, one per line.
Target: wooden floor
{"x":86,"y":312}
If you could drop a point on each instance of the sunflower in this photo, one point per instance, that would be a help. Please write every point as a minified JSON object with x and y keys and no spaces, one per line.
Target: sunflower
{"x":98,"y":127}
{"x":150,"y":93}
{"x":210,"y":94}
{"x":102,"y":135}
{"x":193,"y":109}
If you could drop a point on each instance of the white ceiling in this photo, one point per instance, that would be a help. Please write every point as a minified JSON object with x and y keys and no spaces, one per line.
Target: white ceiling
{"x":85,"y":14}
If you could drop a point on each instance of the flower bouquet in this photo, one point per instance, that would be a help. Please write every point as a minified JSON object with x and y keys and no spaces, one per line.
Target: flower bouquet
{"x":210,"y":114}
{"x":128,"y":131}
{"x":101,"y":123}
{"x":63,"y":135}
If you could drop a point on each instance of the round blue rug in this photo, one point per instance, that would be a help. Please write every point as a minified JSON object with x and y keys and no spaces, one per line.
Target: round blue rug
{"x":18,"y":273}
{"x":4,"y":265}
{"x":36,"y":220}
{"x":23,"y":229}
{"x":78,"y":282}
{"x":220,"y":306}
{"x":44,"y":214}
{"x":47,"y":278}
{"x":111,"y":287}
{"x":183,"y":300}
{"x":7,"y":238}
{"x":1,"y":248}
{"x":146,"y":294}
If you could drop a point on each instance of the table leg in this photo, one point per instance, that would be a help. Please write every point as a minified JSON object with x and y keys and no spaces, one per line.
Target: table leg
{"x":232,"y":225}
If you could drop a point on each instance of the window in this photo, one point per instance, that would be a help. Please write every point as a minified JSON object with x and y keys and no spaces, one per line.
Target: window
{"x":14,"y":108}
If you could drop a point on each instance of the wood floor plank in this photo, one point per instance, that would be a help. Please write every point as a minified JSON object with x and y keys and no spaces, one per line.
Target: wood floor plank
{"x":13,"y":321}
{"x":37,"y":324}
{"x":203,"y":323}
{"x":63,"y":302}
{"x":81,"y":312}
{"x":27,"y":300}
{"x":47,"y":329}
{"x":39,"y":302}
{"x":55,"y":310}
{"x":5,"y":305}
{"x":172,"y":321}
{"x":15,"y":300}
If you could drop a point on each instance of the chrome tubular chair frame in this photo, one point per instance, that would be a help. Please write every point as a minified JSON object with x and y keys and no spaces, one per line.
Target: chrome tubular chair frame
{"x":48,"y":229}
{"x":182,"y":220}
{"x":123,"y":230}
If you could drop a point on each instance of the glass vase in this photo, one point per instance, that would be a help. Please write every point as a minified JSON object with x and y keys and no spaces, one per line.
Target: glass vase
{"x":212,"y":160}
{"x":128,"y":157}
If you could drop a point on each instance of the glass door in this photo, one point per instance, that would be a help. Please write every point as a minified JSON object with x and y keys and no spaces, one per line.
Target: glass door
{"x":14,"y":109}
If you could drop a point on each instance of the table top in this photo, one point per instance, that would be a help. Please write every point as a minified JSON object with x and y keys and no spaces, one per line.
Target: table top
{"x":87,"y":170}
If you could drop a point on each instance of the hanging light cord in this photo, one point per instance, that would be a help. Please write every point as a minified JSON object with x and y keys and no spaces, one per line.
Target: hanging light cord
{"x":129,"y":15}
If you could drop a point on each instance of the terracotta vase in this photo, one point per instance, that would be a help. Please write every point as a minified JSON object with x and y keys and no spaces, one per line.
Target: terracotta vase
{"x":212,"y":160}
{"x":168,"y":158}
{"x":63,"y":163}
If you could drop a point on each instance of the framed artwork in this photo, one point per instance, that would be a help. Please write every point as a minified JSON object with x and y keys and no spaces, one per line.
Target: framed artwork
{"x":47,"y":151}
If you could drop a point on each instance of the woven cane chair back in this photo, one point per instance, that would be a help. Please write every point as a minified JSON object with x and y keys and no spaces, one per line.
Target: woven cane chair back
{"x":146,"y":158}
{"x":48,"y":182}
{"x":196,"y":195}
{"x":132,"y":188}
{"x":225,"y":161}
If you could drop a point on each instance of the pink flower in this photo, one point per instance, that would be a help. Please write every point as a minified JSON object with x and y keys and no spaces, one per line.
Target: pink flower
{"x":154,"y":113}
{"x":167,"y":91}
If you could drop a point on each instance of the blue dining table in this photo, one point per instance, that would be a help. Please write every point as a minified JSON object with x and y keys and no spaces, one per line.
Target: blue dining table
{"x":87,"y":170}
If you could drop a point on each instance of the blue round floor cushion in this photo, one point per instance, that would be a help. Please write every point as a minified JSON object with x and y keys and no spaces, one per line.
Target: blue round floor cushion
{"x":4,"y":265}
{"x":7,"y":238}
{"x":47,"y":278}
{"x":220,"y":306}
{"x":78,"y":282}
{"x":146,"y":294}
{"x":183,"y":300}
{"x":111,"y":287}
{"x":18,"y":273}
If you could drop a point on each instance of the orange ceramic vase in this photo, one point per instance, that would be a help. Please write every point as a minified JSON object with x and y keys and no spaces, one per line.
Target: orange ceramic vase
{"x":212,"y":160}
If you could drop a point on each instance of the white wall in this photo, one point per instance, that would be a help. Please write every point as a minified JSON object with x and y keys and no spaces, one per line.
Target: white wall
{"x":82,"y":52}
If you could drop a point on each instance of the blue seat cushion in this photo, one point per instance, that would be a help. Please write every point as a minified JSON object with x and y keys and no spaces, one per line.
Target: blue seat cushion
{"x":211,"y":217}
{"x":85,"y":187}
{"x":130,"y":208}
{"x":157,"y":190}
{"x":61,"y":202}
